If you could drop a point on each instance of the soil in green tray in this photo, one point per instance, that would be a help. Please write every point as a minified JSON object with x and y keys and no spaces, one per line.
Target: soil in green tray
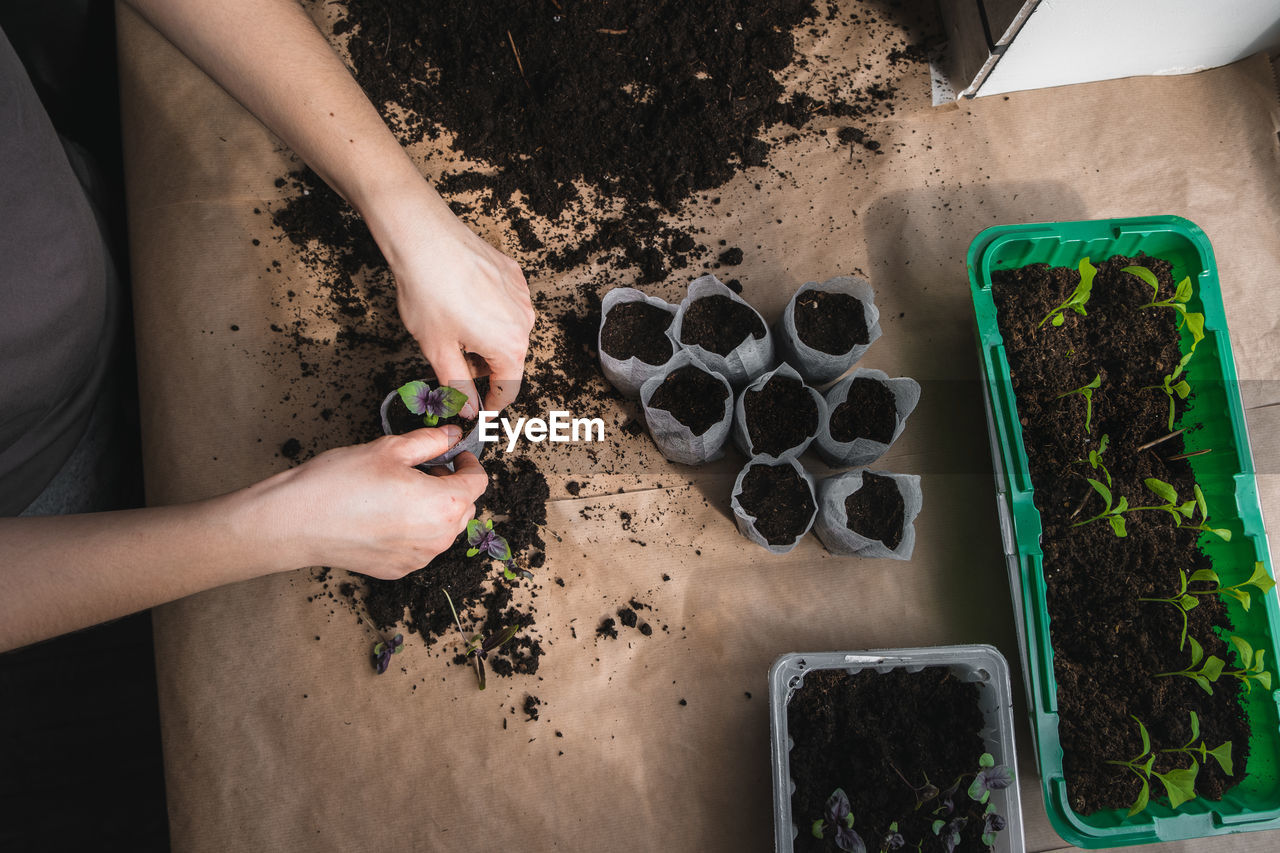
{"x":868,"y":411}
{"x":879,"y":736}
{"x":833,"y":323}
{"x":638,"y":329}
{"x":1107,"y":645}
{"x":694,"y":397}
{"x":719,"y":324}
{"x":780,"y":415}
{"x":780,"y":501}
{"x":876,"y":510}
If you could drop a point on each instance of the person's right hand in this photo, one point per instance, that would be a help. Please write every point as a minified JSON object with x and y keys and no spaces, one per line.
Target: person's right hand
{"x":366,"y":509}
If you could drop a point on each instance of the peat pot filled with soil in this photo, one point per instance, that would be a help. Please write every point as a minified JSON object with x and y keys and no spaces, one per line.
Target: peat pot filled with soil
{"x":827,"y":327}
{"x":869,"y":513}
{"x":726,"y":333}
{"x":867,"y":411}
{"x":777,"y":416}
{"x":689,"y":410}
{"x":773,"y":503}
{"x":903,"y":749}
{"x":634,"y":340}
{"x":1149,"y":612}
{"x":426,"y":403}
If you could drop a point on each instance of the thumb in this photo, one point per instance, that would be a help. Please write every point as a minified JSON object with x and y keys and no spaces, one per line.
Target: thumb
{"x":451,"y":369}
{"x":414,"y":448}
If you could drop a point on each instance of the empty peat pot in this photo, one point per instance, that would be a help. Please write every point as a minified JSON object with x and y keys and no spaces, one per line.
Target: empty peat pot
{"x":689,"y":410}
{"x":774,"y":503}
{"x":634,"y":340}
{"x":723,"y":331}
{"x":869,"y":513}
{"x":827,"y":327}
{"x":777,"y":415}
{"x":867,"y":411}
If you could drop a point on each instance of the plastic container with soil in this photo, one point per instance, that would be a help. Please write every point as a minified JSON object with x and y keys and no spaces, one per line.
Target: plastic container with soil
{"x":773,"y":503}
{"x":634,"y":340}
{"x":869,"y":513}
{"x":396,"y":419}
{"x":689,"y":410}
{"x":1226,"y":477}
{"x":723,"y":331}
{"x":777,"y":416}
{"x":867,"y":412}
{"x":827,"y":327}
{"x":858,"y":749}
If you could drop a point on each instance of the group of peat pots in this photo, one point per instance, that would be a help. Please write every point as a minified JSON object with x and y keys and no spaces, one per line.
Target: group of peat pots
{"x":709,"y":370}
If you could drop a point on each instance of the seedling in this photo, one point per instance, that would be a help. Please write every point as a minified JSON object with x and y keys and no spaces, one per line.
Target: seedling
{"x":1184,"y":599}
{"x":1179,"y":390}
{"x":892,"y":840}
{"x":1179,"y":784}
{"x":1086,"y":391}
{"x":1208,"y":671}
{"x":839,"y":819}
{"x":1250,"y":665}
{"x":484,"y":540}
{"x":990,"y":777}
{"x":384,"y":649}
{"x":1077,"y":300}
{"x":478,"y":647}
{"x":1259,"y":580}
{"x":1183,"y":512}
{"x":1113,"y":513}
{"x":1220,"y":753}
{"x":992,"y":823}
{"x":949,"y":831}
{"x":1178,"y":302}
{"x":434,"y":404}
{"x":925,"y":792}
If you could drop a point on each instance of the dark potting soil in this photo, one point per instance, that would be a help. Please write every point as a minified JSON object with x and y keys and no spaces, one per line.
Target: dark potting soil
{"x":780,"y":416}
{"x":694,"y":397}
{"x":719,"y":324}
{"x":877,"y":736}
{"x":876,"y":510}
{"x":779,"y":499}
{"x":1107,"y":645}
{"x":638,"y":329}
{"x":833,"y":323}
{"x":868,"y":411}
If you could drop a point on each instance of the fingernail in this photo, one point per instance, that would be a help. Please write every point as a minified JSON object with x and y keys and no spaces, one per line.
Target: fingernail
{"x":469,"y":411}
{"x":452,"y":432}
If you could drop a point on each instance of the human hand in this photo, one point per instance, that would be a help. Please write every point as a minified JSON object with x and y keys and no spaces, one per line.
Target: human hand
{"x":366,"y":509}
{"x":456,"y":295}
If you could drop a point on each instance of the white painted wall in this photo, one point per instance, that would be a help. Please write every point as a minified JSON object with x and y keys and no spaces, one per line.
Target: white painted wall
{"x":1077,"y":41}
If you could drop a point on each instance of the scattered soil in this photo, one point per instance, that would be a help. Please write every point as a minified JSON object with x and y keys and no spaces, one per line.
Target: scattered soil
{"x":869,"y":411}
{"x":780,"y":500}
{"x":854,"y":731}
{"x":876,"y":510}
{"x":638,"y":329}
{"x":780,"y":416}
{"x":719,"y":324}
{"x":1107,"y":645}
{"x":833,"y":323}
{"x":694,"y":397}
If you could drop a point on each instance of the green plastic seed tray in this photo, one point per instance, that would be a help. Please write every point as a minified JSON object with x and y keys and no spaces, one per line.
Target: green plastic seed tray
{"x":1226,"y":476}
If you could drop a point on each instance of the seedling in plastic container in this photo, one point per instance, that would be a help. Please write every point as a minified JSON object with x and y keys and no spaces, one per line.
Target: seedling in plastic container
{"x":838,"y":818}
{"x":1086,"y":391}
{"x":484,"y":540}
{"x":1174,"y":390}
{"x":990,"y":777}
{"x":1185,"y":600}
{"x":949,"y":832}
{"x":892,"y":840}
{"x":1113,"y":513}
{"x":384,"y":649}
{"x":1178,"y":302}
{"x":1183,"y":512}
{"x":1203,"y":671}
{"x":1077,"y":300}
{"x":434,"y":404}
{"x":478,"y":647}
{"x":1251,"y":665}
{"x":1178,"y":784}
{"x":1220,"y":753}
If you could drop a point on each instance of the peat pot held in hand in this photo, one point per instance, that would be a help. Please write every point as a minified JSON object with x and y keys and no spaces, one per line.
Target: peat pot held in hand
{"x":869,"y":513}
{"x":723,"y":331}
{"x":634,"y":340}
{"x":867,"y":412}
{"x":894,"y":750}
{"x":777,"y":416}
{"x":419,"y":404}
{"x":827,"y":327}
{"x":773,"y":503}
{"x":689,"y":410}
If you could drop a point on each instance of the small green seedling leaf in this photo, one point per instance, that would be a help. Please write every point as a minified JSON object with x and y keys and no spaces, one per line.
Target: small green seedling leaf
{"x":1078,"y":298}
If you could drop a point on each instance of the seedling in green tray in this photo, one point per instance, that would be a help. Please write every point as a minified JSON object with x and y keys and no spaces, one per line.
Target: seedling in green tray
{"x":1209,"y":670}
{"x":1185,"y":600}
{"x":1086,"y":391}
{"x":1220,"y":753}
{"x":1183,"y":512}
{"x":1179,"y":784}
{"x":1178,"y":302}
{"x":1181,"y":388}
{"x":1251,"y":665}
{"x":1077,"y":300}
{"x":1113,"y":513}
